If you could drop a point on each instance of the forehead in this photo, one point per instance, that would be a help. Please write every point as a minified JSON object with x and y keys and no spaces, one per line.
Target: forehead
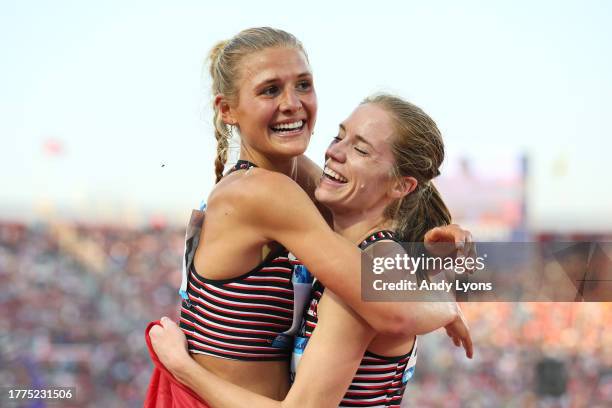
{"x":373,"y":123}
{"x":274,"y":63}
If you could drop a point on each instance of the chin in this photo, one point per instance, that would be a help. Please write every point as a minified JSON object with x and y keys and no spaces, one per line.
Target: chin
{"x":287,"y":153}
{"x":323,"y":197}
{"x":298,"y":143}
{"x":319,"y":196}
{"x":293,"y":149}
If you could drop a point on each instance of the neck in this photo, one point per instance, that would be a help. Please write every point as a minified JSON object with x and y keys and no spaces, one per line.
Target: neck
{"x":357,"y":226}
{"x":286,"y":166}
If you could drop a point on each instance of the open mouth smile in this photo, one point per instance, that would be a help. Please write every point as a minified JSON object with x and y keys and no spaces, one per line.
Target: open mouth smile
{"x":287,"y":128}
{"x":334,"y":176}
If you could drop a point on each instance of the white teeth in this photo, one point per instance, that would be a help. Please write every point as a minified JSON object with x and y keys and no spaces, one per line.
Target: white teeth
{"x":289,"y":126}
{"x":334,"y":175}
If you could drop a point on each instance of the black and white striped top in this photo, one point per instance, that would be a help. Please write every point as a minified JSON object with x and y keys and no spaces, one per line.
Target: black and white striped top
{"x":241,"y":318}
{"x":250,"y":317}
{"x":380,"y":381}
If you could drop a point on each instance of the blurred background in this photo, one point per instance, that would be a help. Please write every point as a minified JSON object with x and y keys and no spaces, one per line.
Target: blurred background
{"x":106,"y":144}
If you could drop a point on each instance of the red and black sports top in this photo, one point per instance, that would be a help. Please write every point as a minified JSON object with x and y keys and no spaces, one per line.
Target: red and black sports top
{"x":250,"y":317}
{"x":380,"y":381}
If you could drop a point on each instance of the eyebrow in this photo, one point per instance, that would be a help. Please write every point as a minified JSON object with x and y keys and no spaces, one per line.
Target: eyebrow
{"x":275,"y":79}
{"x":358,"y":137}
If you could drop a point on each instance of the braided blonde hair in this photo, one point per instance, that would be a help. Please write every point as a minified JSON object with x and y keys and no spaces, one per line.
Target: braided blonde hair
{"x":225,"y":66}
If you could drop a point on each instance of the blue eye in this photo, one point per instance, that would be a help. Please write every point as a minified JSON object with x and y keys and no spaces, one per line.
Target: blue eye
{"x":270,"y":91}
{"x":304,"y":85}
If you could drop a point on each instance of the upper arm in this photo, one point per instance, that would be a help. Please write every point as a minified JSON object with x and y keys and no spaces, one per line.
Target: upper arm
{"x":278,"y":209}
{"x":432,"y":310}
{"x":282,"y":212}
{"x":332,"y":356}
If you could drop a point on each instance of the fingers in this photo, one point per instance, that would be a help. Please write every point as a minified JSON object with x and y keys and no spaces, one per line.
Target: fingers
{"x":460,"y":245}
{"x":466,"y":337}
{"x":468,"y":346}
{"x":166,"y":322}
{"x":441,"y":241}
{"x":471,"y":250}
{"x":432,"y":235}
{"x":447,"y":233}
{"x":466,"y":248}
{"x":155,"y":331}
{"x":456,"y":341}
{"x":459,"y":332}
{"x":463,"y":240}
{"x":431,"y":239}
{"x":451,"y":233}
{"x":466,"y":343}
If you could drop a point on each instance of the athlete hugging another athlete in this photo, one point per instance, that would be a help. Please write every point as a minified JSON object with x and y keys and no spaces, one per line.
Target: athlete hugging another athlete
{"x":242,"y":305}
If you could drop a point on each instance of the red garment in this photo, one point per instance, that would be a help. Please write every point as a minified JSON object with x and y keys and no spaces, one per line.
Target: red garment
{"x":164,"y":390}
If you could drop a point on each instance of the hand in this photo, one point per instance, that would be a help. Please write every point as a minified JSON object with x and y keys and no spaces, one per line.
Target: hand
{"x":169,"y":343}
{"x":450,"y":239}
{"x":459,"y":332}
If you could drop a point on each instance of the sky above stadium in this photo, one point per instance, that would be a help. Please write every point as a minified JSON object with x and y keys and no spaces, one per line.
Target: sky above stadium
{"x":104,"y":105}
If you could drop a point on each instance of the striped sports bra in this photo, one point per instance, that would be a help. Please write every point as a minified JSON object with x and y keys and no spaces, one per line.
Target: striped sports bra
{"x":250,"y":317}
{"x":380,"y":381}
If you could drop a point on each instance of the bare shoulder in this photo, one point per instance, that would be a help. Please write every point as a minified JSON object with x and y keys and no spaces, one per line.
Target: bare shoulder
{"x":236,"y":222}
{"x":253,"y":184}
{"x":263,"y":199}
{"x":260,"y":191}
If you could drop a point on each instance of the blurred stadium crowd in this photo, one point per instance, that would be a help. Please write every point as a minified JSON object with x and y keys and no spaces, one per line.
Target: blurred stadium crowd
{"x":75,"y":300}
{"x":526,"y":355}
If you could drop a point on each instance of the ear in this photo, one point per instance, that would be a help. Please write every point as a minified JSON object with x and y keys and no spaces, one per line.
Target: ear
{"x":224,"y":108}
{"x":402,"y":187}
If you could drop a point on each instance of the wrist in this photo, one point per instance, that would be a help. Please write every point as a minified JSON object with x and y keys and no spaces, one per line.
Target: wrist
{"x":179,"y":364}
{"x":184,"y":371}
{"x":453,"y":312}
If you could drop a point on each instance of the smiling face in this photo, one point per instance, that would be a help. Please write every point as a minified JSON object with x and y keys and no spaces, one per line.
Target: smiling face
{"x":277,"y":104}
{"x":358,"y":173}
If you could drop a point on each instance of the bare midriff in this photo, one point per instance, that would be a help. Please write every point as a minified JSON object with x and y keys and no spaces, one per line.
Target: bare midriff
{"x":267,"y":378}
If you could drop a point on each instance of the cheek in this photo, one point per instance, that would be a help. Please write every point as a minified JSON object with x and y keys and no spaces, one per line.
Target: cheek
{"x":313,"y":104}
{"x":258,"y":112}
{"x":266,"y":113}
{"x":374,"y":182}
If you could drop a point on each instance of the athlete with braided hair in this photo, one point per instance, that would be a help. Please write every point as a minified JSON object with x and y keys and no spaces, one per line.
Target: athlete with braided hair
{"x":240,"y":308}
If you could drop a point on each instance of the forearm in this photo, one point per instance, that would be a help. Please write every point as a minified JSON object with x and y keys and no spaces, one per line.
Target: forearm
{"x":217,"y":392}
{"x":425,"y":317}
{"x":308,"y":176}
{"x":328,"y":256}
{"x":427,"y":311}
{"x":332,"y":356}
{"x":405,"y":318}
{"x":342,"y":276}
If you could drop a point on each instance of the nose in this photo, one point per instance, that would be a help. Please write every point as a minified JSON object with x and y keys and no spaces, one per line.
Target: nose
{"x":290,"y":101}
{"x":336,"y":151}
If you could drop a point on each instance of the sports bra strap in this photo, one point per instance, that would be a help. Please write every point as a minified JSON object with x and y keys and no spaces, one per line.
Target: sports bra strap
{"x":377,"y":236}
{"x":241,"y":165}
